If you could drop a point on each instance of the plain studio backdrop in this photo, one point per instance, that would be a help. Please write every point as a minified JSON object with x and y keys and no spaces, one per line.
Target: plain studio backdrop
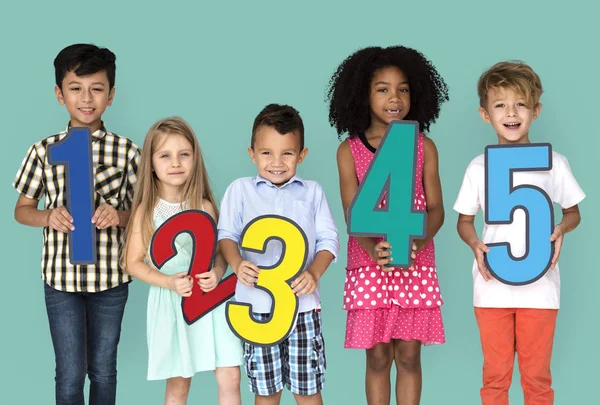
{"x":217,"y":64}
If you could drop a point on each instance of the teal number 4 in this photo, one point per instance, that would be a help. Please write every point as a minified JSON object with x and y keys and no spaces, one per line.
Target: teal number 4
{"x":391,"y":174}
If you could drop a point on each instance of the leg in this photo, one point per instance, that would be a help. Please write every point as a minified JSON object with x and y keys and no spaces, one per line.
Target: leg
{"x":264,"y":369}
{"x":177,"y":391}
{"x":379,"y":364}
{"x":497,"y":333}
{"x":535,"y":336}
{"x":309,"y":399}
{"x":66,"y":315}
{"x":104,"y":315}
{"x":407,"y":356}
{"x":305,"y":348}
{"x":228,"y":385}
{"x":273,"y":399}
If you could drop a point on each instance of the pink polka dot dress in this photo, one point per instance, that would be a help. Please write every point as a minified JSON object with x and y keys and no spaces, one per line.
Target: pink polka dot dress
{"x":401,"y":304}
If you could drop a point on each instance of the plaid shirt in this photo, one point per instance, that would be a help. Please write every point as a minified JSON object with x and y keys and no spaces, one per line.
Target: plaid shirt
{"x":116,"y":161}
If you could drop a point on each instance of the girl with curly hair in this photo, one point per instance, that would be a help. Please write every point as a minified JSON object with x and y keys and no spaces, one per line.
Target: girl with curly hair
{"x":391,"y":311}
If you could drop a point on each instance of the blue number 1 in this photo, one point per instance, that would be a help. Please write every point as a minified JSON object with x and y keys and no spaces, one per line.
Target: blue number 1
{"x":74,"y":152}
{"x":502,"y":199}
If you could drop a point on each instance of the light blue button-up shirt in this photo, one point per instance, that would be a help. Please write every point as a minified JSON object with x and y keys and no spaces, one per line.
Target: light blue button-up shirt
{"x":302,"y":201}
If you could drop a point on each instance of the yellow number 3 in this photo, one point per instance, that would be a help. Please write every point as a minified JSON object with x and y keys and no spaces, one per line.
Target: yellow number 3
{"x":274,"y":280}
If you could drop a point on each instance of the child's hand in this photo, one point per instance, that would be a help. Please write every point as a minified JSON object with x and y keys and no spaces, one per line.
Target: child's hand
{"x":247,"y":273}
{"x":181,"y":283}
{"x":305,"y":283}
{"x":557,"y":238}
{"x":380,"y":254}
{"x":417,"y":246}
{"x":208,"y":280}
{"x":60,"y":220}
{"x":105,"y":216}
{"x":479,"y":248}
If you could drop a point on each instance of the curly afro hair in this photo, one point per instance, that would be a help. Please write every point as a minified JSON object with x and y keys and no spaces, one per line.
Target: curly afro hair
{"x":349,"y":88}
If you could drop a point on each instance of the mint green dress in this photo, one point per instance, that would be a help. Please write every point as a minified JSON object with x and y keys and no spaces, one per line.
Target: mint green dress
{"x":176,"y":349}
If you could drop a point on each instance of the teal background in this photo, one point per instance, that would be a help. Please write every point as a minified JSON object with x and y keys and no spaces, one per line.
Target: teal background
{"x":217,"y":64}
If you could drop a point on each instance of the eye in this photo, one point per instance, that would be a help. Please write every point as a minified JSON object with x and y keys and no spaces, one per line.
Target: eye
{"x":97,"y":89}
{"x":164,"y":155}
{"x":382,"y":90}
{"x":74,"y":88}
{"x":185,"y":154}
{"x":265,"y":153}
{"x":521,"y":104}
{"x":404,"y":90}
{"x":499,"y":105}
{"x":288,"y":153}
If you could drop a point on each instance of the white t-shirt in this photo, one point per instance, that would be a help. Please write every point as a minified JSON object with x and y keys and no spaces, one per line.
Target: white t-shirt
{"x":562,"y":188}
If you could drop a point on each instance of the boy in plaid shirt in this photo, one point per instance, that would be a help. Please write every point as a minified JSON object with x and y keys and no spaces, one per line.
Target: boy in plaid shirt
{"x":85,"y":303}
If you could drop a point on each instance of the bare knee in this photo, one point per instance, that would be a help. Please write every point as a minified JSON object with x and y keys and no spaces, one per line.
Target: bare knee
{"x":407,"y":356}
{"x":380,"y":358}
{"x":178,"y":389}
{"x":228,"y":378}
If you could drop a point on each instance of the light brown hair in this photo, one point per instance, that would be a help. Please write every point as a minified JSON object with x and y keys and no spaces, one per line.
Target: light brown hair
{"x":146,"y":194}
{"x":514,"y":75}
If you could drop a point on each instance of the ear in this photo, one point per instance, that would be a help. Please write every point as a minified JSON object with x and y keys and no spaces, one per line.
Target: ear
{"x":484,"y":115}
{"x":303,"y":153}
{"x":59,"y":95}
{"x":537,"y":110}
{"x":252,"y":155}
{"x":111,"y":95}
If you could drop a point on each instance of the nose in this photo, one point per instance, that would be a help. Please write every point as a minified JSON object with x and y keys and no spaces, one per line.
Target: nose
{"x":511,"y":111}
{"x":175,"y":162}
{"x":86,"y":96}
{"x":277,"y":161}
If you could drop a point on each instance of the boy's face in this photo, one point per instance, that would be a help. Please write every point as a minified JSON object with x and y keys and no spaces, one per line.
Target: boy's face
{"x":276,"y":155}
{"x":509,"y":115}
{"x":86,"y":98}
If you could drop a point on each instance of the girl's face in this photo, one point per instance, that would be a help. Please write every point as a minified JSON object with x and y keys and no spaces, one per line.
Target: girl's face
{"x":173,"y":162}
{"x":389,"y":97}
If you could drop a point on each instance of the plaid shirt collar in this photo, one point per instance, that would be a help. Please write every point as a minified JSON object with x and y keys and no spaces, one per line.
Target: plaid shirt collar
{"x":96,"y":135}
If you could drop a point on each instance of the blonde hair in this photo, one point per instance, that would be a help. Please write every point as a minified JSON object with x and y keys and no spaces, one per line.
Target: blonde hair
{"x":514,"y":75}
{"x":146,"y":195}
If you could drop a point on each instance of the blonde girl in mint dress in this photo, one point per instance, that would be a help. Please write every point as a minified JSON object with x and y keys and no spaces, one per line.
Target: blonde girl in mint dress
{"x":172,"y":178}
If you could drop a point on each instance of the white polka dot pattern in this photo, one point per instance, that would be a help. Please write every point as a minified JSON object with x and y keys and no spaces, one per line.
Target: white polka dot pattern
{"x":398,"y":304}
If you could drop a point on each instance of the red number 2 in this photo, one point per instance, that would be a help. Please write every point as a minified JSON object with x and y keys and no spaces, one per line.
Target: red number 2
{"x":202,"y":228}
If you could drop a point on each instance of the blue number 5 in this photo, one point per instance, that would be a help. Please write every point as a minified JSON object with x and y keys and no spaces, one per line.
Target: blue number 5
{"x":74,"y":152}
{"x":502,"y":199}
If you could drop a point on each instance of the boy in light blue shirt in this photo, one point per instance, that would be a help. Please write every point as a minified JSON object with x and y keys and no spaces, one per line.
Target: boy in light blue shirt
{"x":277,"y":147}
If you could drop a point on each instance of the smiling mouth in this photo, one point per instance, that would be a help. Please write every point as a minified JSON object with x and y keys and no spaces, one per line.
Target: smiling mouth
{"x":277,"y":172}
{"x":87,"y":111}
{"x":512,"y":125}
{"x":393,"y":111}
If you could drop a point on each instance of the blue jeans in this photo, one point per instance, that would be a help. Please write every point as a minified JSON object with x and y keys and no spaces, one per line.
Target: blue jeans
{"x":85,"y":329}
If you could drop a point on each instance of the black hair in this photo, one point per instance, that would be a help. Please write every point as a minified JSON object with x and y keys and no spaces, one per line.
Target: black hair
{"x":85,"y":59}
{"x":349,"y":88}
{"x":283,"y":118}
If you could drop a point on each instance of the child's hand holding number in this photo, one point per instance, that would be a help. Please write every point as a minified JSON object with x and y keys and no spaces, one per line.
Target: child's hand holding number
{"x":380,"y":254}
{"x":417,"y":246}
{"x":60,"y":220}
{"x":181,"y":283}
{"x":209,"y":280}
{"x":105,"y":216}
{"x":557,"y":238}
{"x":247,"y":273}
{"x":479,"y":248}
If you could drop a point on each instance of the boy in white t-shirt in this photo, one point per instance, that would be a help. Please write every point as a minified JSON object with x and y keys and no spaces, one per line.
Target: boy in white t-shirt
{"x":515,"y":318}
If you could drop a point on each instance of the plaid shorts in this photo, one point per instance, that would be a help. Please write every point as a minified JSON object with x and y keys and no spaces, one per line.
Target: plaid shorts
{"x":298,"y":363}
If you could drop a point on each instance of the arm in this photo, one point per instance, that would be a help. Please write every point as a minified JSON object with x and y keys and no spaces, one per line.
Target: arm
{"x":181,"y":283}
{"x":209,"y":280}
{"x":348,"y":188}
{"x":27,"y":213}
{"x":570,"y":220}
{"x":433,"y":191}
{"x":466,"y":231}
